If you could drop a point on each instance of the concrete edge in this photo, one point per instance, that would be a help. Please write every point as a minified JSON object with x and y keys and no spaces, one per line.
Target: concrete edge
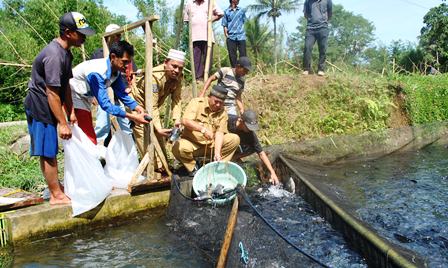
{"x":43,"y":221}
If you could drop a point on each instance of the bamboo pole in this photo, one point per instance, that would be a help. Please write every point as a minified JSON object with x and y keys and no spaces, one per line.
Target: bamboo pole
{"x":209,"y":39}
{"x":83,"y":52}
{"x":193,"y":70}
{"x":16,"y":64}
{"x":228,"y":235}
{"x":148,"y":130}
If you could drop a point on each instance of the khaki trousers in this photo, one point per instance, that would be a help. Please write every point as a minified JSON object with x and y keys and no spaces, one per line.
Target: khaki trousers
{"x":185,"y":151}
{"x":138,"y":93}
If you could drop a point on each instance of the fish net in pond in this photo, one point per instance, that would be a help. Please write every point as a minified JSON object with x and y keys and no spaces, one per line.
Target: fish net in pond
{"x":202,"y":225}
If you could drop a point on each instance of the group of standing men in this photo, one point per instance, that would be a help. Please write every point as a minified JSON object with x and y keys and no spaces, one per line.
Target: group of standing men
{"x":59,"y":96}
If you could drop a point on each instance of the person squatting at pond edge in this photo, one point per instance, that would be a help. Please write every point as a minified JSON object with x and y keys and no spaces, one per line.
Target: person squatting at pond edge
{"x":91,"y":80}
{"x":317,"y":14}
{"x":198,"y":10}
{"x":166,"y":81}
{"x":245,"y":126}
{"x":233,"y":24}
{"x":103,"y":123}
{"x":231,"y":79}
{"x":205,"y":131}
{"x":48,"y":93}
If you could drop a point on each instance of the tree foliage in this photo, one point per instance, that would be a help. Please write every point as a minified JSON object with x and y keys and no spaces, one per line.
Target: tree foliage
{"x":273,"y":9}
{"x":29,"y":25}
{"x":434,"y":36}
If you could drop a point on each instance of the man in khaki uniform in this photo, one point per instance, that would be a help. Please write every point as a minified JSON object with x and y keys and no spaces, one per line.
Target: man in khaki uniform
{"x":205,"y":131}
{"x":166,"y":81}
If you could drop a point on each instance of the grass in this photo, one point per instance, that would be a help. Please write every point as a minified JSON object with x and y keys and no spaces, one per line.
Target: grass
{"x":302,"y":107}
{"x":9,"y":112}
{"x":426,"y":97}
{"x":18,"y":171}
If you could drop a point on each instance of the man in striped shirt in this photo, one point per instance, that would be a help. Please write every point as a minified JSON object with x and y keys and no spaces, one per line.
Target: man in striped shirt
{"x":231,"y":79}
{"x":233,"y":23}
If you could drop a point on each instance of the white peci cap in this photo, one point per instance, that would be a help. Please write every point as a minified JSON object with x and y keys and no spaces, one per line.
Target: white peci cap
{"x":178,"y":55}
{"x":112,"y":27}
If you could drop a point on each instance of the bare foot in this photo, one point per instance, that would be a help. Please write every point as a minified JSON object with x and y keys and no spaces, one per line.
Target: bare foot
{"x":60,"y":200}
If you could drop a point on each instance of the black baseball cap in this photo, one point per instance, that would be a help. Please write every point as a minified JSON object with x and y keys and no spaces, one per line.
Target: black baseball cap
{"x":76,"y":22}
{"x":219,"y":91}
{"x":250,"y":120}
{"x":245,"y":63}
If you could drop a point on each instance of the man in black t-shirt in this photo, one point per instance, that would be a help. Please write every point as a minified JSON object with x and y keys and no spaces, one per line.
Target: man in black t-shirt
{"x":48,"y":93}
{"x":245,"y":127}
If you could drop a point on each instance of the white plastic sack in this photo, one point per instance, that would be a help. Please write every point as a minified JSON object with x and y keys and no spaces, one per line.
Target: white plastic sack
{"x":84,"y":179}
{"x":121,"y":159}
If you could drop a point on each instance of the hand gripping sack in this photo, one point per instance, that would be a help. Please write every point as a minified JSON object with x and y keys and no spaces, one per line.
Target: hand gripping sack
{"x":121,"y":159}
{"x":84,"y":179}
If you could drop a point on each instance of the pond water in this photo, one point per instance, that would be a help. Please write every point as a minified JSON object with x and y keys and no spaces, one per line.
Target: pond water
{"x":144,"y":241}
{"x":404,"y":197}
{"x":148,"y":240}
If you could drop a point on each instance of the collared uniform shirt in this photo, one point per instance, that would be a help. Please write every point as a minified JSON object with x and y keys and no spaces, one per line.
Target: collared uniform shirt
{"x":198,"y":110}
{"x":234,"y":20}
{"x":161,"y":89}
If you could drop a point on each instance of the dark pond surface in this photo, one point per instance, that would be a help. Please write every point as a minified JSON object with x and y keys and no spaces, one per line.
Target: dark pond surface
{"x":404,"y":197}
{"x":296,"y":219}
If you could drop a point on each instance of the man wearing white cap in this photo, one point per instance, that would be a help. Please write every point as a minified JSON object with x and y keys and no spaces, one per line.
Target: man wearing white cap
{"x":166,"y":81}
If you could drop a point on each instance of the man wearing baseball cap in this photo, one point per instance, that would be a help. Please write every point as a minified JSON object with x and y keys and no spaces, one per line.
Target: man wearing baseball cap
{"x":245,"y":127}
{"x":48,"y":93}
{"x":205,"y":131}
{"x":233,"y":80}
{"x":166,"y":82}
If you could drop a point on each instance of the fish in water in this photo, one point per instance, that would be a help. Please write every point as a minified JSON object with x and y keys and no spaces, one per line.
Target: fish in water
{"x":218,"y":190}
{"x":402,"y":238}
{"x":290,"y":185}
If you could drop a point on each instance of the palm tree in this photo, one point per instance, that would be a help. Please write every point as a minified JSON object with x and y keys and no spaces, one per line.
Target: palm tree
{"x":274,"y":9}
{"x":257,"y":36}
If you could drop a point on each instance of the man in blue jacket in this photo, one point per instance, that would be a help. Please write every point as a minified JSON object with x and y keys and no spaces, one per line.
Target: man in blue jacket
{"x":91,"y":80}
{"x":317,"y":13}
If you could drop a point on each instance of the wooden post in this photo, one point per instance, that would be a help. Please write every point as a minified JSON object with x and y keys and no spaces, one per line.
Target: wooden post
{"x":209,"y":39}
{"x":228,"y":235}
{"x":193,"y":70}
{"x":148,"y":100}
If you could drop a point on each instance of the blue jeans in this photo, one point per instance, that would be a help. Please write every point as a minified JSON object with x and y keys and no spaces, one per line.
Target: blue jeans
{"x":313,"y":35}
{"x":102,"y":126}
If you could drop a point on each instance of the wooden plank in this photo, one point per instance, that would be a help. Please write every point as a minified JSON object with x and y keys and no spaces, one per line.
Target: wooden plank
{"x":150,"y":185}
{"x":228,"y":235}
{"x":27,"y":199}
{"x":160,"y":153}
{"x":129,"y":27}
{"x":139,"y":170}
